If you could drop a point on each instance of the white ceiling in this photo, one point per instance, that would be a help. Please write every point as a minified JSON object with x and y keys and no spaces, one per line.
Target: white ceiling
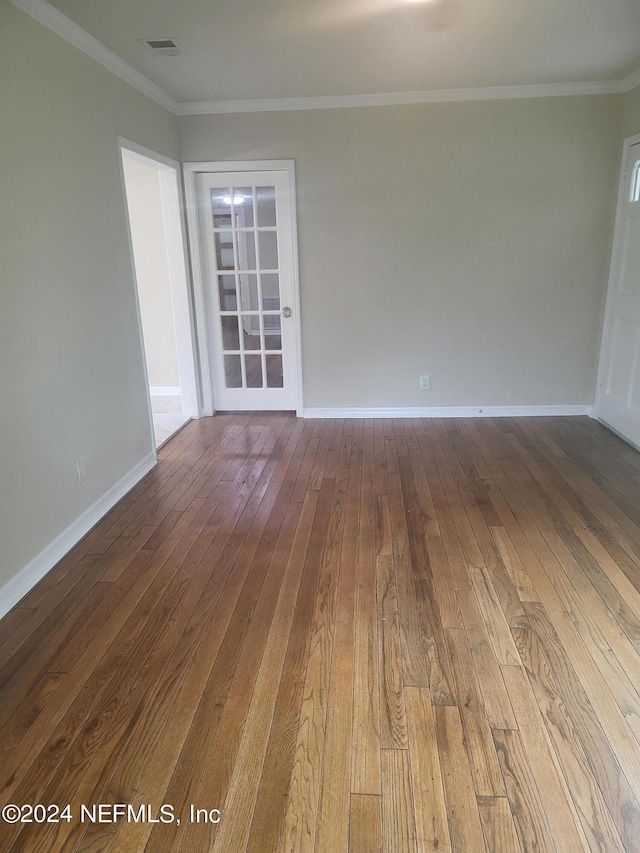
{"x":253,"y":49}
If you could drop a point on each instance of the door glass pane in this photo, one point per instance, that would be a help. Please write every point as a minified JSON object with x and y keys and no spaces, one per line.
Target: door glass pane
{"x":221,"y":210}
{"x":635,"y":183}
{"x":270,"y":292}
{"x":243,"y":206}
{"x":230,"y":336}
{"x":227,"y":289}
{"x":253,"y":366}
{"x":224,"y":250}
{"x":266,"y":204}
{"x":272,"y":333}
{"x":246,"y":250}
{"x":247,"y":277}
{"x":232,"y":371}
{"x":249,"y":292}
{"x":274,"y":371}
{"x":268,"y":241}
{"x":251,"y":331}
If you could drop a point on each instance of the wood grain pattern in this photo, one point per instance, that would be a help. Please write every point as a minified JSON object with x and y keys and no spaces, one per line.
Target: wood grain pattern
{"x":398,"y":826}
{"x":365,"y":755}
{"x":365,"y":824}
{"x":393,"y":718}
{"x":347,"y":635}
{"x":271,"y":800}
{"x":555,"y":797}
{"x":245,"y":778}
{"x":299,"y":829}
{"x":498,"y":826}
{"x":462,"y":807}
{"x":522,"y":792}
{"x":332,"y":832}
{"x":496,"y":698}
{"x":432,"y":830}
{"x":410,"y":561}
{"x":483,"y":761}
{"x":595,"y":818}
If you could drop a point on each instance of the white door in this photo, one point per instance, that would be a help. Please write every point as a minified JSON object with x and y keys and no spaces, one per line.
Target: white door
{"x":248,"y":265}
{"x":619,"y":403}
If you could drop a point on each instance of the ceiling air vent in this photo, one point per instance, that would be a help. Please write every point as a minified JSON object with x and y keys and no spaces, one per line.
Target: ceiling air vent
{"x":164,"y":46}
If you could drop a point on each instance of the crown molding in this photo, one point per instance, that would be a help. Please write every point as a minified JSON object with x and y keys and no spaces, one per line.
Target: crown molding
{"x":433,"y":96}
{"x":630,"y":82}
{"x":58,"y":23}
{"x":63,"y":26}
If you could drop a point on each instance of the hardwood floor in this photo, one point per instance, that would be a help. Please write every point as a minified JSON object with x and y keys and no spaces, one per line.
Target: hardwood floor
{"x":345,"y":636}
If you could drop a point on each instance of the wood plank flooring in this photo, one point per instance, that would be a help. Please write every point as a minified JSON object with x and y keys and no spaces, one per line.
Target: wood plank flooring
{"x":331,"y":635}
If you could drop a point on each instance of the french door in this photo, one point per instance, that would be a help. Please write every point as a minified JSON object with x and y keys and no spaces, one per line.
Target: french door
{"x":248,"y":270}
{"x":619,"y":394}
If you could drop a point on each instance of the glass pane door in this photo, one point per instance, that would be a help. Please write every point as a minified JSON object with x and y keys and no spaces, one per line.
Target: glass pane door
{"x":249,"y":238}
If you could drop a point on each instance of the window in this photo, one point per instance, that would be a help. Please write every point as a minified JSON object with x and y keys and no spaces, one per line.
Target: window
{"x":634,"y":194}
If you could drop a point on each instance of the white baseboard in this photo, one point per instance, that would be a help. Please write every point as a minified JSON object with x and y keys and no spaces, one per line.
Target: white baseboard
{"x":28,"y":577}
{"x":448,"y":412}
{"x":165,"y":390}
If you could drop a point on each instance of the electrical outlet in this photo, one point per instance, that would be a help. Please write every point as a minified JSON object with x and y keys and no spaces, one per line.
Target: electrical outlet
{"x":424,"y":382}
{"x":81,"y":468}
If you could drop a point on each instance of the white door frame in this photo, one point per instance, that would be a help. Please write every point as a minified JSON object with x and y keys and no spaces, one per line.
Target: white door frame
{"x":191,"y":171}
{"x":178,"y":268}
{"x":613,"y":274}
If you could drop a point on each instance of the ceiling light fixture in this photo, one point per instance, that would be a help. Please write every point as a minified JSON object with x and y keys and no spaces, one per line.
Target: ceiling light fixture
{"x":237,"y":199}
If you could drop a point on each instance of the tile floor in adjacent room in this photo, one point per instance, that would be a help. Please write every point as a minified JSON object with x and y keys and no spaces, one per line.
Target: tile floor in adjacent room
{"x":167,"y":416}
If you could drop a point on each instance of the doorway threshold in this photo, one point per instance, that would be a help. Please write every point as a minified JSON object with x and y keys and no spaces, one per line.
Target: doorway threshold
{"x":168,"y":417}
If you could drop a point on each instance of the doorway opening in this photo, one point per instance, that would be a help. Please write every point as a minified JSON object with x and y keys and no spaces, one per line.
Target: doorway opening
{"x":158,"y":248}
{"x":618,"y":394}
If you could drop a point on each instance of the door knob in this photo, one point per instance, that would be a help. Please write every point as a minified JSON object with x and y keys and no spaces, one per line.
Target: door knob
{"x":286,"y":312}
